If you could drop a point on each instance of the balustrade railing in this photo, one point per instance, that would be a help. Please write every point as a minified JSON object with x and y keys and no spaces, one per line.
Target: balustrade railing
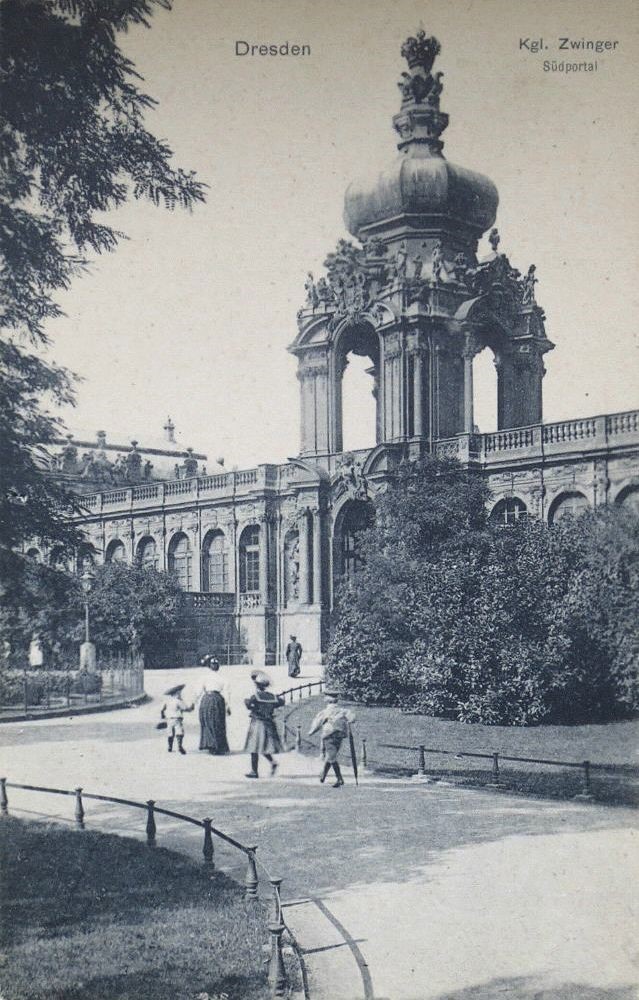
{"x":622,"y":423}
{"x":210,"y":600}
{"x":115,"y":496}
{"x":146,"y":492}
{"x":246,"y":478}
{"x":179,"y":487}
{"x":218,"y":482}
{"x":250,"y":601}
{"x":593,"y":431}
{"x":508,"y":440}
{"x":569,"y":430}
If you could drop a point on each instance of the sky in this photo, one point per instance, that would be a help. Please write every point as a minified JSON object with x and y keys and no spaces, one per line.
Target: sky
{"x":193,"y":314}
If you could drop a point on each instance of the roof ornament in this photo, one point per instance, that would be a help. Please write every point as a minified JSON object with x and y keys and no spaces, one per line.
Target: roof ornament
{"x":420,"y":120}
{"x":420,"y":51}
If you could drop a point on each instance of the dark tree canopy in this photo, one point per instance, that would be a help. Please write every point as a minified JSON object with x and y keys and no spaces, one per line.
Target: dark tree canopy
{"x":73,"y":145}
{"x":451,"y":615}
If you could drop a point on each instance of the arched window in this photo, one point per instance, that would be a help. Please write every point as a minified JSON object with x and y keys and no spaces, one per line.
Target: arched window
{"x":34,"y":554}
{"x":115,"y":551}
{"x":147,"y":552}
{"x":250,"y":560}
{"x":508,"y":511}
{"x":356,"y":388}
{"x":215,"y":563}
{"x":180,"y":560}
{"x":355,"y":517}
{"x":485,"y":392}
{"x":628,"y":499}
{"x":568,"y":505}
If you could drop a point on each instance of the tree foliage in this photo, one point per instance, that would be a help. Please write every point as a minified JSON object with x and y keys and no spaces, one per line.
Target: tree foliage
{"x":134,"y":605}
{"x":43,"y":603}
{"x":73,"y":146}
{"x":453,"y":616}
{"x":129,"y":606}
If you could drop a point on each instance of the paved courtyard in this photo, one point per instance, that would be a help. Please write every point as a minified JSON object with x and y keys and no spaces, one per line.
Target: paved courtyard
{"x":399,"y":890}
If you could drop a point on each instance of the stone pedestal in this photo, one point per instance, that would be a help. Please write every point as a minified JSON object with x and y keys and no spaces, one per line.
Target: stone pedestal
{"x":87,"y":657}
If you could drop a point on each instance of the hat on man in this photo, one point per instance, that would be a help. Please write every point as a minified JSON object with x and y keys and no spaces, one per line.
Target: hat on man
{"x":331,"y":693}
{"x":260,"y":678}
{"x":176,"y":689}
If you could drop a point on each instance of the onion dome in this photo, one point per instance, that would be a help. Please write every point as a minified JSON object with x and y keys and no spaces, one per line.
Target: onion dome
{"x":421,"y":188}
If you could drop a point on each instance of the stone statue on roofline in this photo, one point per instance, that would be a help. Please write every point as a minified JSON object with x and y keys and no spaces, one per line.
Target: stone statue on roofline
{"x":529,"y":281}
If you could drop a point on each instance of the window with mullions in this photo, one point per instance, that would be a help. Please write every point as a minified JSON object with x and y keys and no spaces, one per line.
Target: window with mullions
{"x":180,"y":560}
{"x":250,"y":560}
{"x":509,"y":511}
{"x":215,"y":575}
{"x":351,"y":559}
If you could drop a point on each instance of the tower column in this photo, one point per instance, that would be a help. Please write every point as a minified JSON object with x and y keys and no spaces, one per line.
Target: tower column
{"x":417,"y":394}
{"x":468,"y":393}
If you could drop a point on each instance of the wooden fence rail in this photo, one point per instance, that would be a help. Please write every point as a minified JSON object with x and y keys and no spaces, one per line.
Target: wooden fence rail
{"x":277,"y":976}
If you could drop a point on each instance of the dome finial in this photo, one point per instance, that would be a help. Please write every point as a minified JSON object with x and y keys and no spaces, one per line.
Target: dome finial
{"x":420,"y":120}
{"x":420,"y":51}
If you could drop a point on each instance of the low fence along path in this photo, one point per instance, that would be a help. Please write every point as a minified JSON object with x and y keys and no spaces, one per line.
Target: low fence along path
{"x":395,"y":888}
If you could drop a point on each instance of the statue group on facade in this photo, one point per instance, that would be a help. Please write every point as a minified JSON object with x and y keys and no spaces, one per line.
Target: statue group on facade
{"x":127,"y":469}
{"x":358,"y":277}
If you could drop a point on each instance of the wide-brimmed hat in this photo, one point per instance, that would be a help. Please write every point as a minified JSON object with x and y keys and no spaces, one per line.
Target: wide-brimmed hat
{"x":260,"y":678}
{"x":176,"y":689}
{"x":332,"y":693}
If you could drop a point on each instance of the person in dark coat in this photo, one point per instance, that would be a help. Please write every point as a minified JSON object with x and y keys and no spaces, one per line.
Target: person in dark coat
{"x":294,"y":656}
{"x":262,"y":737}
{"x":213,"y":709}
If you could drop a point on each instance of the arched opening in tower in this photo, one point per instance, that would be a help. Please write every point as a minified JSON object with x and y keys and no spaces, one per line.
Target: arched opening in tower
{"x":356,"y":388}
{"x":359,"y":407}
{"x":485,"y":391}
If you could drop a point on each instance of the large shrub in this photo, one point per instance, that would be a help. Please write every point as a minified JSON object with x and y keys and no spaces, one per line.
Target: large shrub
{"x":452,"y":616}
{"x":134,"y":606}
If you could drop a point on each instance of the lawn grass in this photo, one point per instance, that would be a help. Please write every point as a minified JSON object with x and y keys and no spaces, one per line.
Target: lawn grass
{"x":91,"y":916}
{"x":614,"y":744}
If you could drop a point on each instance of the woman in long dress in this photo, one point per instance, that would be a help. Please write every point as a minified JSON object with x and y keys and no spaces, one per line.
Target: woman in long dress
{"x":213,"y":708}
{"x":262,"y":737}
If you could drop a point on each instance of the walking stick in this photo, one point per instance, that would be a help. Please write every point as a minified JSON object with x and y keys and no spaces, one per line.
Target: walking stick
{"x":351,"y":742}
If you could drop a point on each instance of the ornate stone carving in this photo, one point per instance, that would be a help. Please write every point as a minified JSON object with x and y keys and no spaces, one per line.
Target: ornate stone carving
{"x":355,"y":276}
{"x":350,"y":477}
{"x":292,"y":567}
{"x":437,"y":261}
{"x":420,"y":51}
{"x":312,"y":295}
{"x":528,"y":286}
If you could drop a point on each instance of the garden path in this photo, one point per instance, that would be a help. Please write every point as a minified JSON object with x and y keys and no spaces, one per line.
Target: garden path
{"x":403,"y":890}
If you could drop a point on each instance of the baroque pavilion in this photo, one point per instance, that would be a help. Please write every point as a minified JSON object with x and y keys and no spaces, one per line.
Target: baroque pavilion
{"x":260,"y":551}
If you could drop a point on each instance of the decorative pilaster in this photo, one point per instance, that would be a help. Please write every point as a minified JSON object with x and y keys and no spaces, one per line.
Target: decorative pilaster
{"x":264,"y":554}
{"x":304,"y":559}
{"x":317,"y":556}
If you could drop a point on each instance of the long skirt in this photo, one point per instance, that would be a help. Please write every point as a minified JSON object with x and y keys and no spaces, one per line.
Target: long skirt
{"x":262,"y":737}
{"x":213,"y":723}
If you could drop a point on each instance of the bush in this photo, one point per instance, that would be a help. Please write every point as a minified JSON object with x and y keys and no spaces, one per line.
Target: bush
{"x":512,"y":626}
{"x":43,"y":683}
